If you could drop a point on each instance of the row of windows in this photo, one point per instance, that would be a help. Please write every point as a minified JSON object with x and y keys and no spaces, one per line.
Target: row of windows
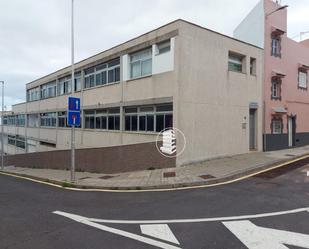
{"x":276,"y":83}
{"x":144,"y":118}
{"x":237,"y":63}
{"x":102,"y":74}
{"x":153,"y":118}
{"x":18,"y":120}
{"x":18,"y":141}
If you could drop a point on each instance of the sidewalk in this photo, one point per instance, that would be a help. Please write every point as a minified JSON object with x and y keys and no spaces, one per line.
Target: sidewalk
{"x":206,"y":173}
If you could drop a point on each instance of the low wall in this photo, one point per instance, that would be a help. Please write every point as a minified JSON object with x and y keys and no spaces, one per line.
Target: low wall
{"x":107,"y":160}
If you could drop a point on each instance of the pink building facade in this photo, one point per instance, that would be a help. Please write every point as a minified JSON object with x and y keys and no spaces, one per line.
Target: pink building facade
{"x":286,"y":69}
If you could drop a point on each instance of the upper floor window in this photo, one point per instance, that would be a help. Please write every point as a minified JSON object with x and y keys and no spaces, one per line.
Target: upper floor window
{"x":252,"y":66}
{"x":33,"y":94}
{"x":102,"y":74}
{"x":11,"y":120}
{"x":236,"y":62}
{"x":77,"y":81}
{"x":62,"y":119}
{"x":33,"y":120}
{"x":163,"y":47}
{"x":141,"y":63}
{"x":276,"y":88}
{"x":20,"y":120}
{"x":276,"y":46}
{"x":48,"y":90}
{"x":48,"y":119}
{"x":64,"y":85}
{"x":302,"y":79}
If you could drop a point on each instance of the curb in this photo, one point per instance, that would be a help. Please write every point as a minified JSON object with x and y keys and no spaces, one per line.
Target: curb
{"x":234,"y":177}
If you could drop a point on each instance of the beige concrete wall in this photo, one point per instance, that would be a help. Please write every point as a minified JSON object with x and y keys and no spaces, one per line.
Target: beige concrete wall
{"x":212,"y":102}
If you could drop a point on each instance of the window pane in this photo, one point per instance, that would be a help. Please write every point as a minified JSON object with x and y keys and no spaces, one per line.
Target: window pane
{"x":98,"y":79}
{"x":103,"y":77}
{"x":168,"y":121}
{"x":135,"y":69}
{"x":160,"y":123}
{"x":142,"y":123}
{"x":150,"y":123}
{"x":127,"y":123}
{"x":104,"y":123}
{"x":111,"y":76}
{"x":111,"y":124}
{"x":117,"y":123}
{"x":98,"y":123}
{"x":134,"y":123}
{"x":147,"y":67}
{"x":117,"y":74}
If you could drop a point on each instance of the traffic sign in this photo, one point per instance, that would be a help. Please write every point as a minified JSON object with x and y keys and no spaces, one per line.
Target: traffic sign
{"x":73,"y":118}
{"x":74,"y":104}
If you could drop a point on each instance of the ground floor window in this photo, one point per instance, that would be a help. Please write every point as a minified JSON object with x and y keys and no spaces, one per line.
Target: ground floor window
{"x":105,"y":119}
{"x":276,"y":125}
{"x":148,"y":118}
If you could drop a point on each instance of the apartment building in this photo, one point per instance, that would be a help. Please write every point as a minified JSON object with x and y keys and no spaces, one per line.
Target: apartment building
{"x":181,"y":75}
{"x":286,"y":65}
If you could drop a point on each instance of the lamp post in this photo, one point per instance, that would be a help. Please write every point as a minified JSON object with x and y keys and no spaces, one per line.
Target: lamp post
{"x":72,"y":90}
{"x":2,"y":149}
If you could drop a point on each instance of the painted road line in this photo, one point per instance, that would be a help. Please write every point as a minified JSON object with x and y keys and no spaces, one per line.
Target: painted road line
{"x":241,"y":217}
{"x":157,"y":190}
{"x":160,"y":231}
{"x":86,"y":221}
{"x":256,"y":237}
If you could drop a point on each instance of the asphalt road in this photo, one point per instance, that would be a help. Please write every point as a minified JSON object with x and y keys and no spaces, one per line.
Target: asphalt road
{"x":28,"y":221}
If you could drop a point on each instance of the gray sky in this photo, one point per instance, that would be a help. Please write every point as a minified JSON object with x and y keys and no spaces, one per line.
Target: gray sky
{"x":35,"y":34}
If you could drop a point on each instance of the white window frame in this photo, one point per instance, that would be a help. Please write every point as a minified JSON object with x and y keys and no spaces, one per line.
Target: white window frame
{"x":277,"y":126}
{"x":134,"y":59}
{"x":302,"y":79}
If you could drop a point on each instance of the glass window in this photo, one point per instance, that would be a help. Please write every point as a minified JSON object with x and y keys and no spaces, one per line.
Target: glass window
{"x":62,"y":119}
{"x":48,"y":119}
{"x":276,"y":88}
{"x":252,"y":66}
{"x":164,"y":47}
{"x":276,"y":46}
{"x":235,"y":62}
{"x":141,"y":63}
{"x":302,"y":79}
{"x":276,"y":126}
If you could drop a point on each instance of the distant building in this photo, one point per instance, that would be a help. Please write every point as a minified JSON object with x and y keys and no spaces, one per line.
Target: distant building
{"x":286,"y":65}
{"x":181,"y":75}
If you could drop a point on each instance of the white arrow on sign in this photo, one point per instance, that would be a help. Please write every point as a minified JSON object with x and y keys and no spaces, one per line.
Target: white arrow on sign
{"x":256,"y":237}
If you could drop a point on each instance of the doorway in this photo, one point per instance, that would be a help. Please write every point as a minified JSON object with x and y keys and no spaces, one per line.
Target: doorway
{"x":291,"y":130}
{"x":252,"y":130}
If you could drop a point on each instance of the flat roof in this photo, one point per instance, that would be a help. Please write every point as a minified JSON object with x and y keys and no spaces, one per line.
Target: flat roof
{"x":170,"y":23}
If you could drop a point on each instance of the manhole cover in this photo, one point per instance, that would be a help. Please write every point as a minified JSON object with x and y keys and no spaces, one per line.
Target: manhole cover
{"x":169,"y":174}
{"x":206,"y":177}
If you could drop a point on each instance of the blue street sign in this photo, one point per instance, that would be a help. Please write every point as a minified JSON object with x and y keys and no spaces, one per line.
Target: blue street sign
{"x":74,"y":104}
{"x":73,"y":118}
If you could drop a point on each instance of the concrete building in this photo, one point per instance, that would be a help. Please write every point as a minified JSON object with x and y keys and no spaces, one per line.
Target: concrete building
{"x":206,"y":84}
{"x":286,"y":65}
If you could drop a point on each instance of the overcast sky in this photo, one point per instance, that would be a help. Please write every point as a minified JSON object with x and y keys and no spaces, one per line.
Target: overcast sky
{"x":35,"y":34}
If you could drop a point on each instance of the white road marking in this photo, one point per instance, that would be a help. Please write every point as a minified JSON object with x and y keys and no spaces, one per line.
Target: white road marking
{"x":160,"y":231}
{"x":86,"y":221}
{"x":256,"y":237}
{"x":241,"y":217}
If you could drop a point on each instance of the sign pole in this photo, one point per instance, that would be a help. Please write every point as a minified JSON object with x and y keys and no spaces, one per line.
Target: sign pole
{"x":72,"y":89}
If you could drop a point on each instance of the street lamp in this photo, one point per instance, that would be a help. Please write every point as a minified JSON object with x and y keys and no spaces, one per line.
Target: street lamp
{"x":2,"y":146}
{"x":278,"y":9}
